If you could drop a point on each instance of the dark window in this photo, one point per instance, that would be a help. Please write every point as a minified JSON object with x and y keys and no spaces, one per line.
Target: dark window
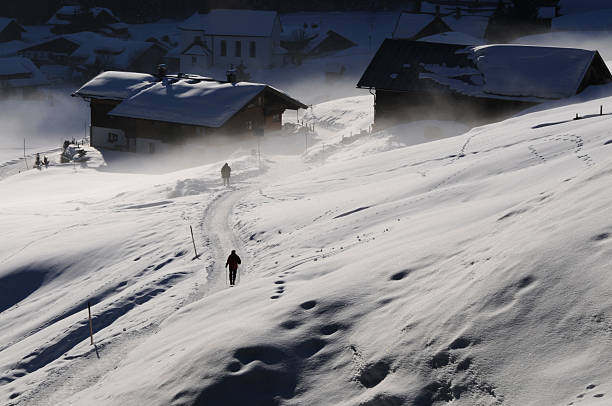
{"x":276,"y":117}
{"x":194,"y":59}
{"x":223,"y":48}
{"x":238,"y":48}
{"x":252,"y":49}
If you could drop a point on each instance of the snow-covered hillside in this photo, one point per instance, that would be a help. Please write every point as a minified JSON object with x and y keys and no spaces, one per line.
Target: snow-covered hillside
{"x":472,"y":270}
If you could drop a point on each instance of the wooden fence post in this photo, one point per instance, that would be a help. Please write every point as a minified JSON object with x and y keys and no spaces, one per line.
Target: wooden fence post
{"x":90,"y":324}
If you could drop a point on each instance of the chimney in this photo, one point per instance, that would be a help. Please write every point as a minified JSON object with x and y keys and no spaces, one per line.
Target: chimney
{"x":161,"y":71}
{"x":231,"y":75}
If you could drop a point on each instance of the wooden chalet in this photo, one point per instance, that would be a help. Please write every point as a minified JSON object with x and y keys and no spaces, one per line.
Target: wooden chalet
{"x":415,"y":80}
{"x":10,"y":30}
{"x":137,"y":112}
{"x":74,"y":18}
{"x":20,"y":79}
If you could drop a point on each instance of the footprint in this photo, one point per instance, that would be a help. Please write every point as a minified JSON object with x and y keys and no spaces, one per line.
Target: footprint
{"x":599,"y":395}
{"x":310,"y":347}
{"x":308,"y":305}
{"x":400,"y":275}
{"x":279,"y":282}
{"x":440,"y":360}
{"x":459,"y":343}
{"x":602,"y":236}
{"x":330,"y":329}
{"x":274,"y":297}
{"x":290,"y":324}
{"x":373,"y":374}
{"x":591,"y":386}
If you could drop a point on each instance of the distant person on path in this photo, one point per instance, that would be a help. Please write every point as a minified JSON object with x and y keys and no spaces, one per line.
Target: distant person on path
{"x":37,"y":163}
{"x":233,"y":261}
{"x":225,"y":174}
{"x":46,"y":162}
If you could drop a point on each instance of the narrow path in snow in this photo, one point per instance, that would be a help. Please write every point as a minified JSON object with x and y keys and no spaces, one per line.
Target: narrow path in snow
{"x":217,"y":222}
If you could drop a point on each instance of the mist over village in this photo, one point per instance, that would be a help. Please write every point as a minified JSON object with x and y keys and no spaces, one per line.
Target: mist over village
{"x":259,"y":203}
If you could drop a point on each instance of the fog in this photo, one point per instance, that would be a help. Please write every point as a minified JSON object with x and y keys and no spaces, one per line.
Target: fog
{"x":44,"y":123}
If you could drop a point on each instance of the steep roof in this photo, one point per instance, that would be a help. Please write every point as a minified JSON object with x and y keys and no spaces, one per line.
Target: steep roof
{"x":247,"y":23}
{"x":20,"y":72}
{"x":410,"y":24}
{"x":192,"y":100}
{"x":4,"y":22}
{"x":515,"y":72}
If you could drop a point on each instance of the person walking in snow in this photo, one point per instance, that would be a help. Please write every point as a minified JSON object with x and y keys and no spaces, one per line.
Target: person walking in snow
{"x":233,"y":261}
{"x":225,"y":174}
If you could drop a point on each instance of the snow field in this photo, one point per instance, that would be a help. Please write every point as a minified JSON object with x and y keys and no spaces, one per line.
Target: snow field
{"x":471,"y":270}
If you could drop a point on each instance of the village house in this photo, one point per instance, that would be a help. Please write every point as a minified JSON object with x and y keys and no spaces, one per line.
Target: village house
{"x":74,"y":18}
{"x":226,"y":38}
{"x":10,"y":30}
{"x":86,"y":54}
{"x":20,"y":78}
{"x":415,"y":80}
{"x":138,"y":112}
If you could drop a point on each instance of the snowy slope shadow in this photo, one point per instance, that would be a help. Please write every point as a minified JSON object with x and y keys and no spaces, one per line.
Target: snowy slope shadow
{"x":80,"y":331}
{"x":18,"y":285}
{"x":260,"y":375}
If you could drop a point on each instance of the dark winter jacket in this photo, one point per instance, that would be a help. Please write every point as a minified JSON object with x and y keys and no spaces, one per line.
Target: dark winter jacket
{"x":233,"y":261}
{"x":225,"y":171}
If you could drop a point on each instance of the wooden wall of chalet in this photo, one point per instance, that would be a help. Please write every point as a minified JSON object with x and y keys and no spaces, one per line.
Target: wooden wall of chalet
{"x":395,"y":107}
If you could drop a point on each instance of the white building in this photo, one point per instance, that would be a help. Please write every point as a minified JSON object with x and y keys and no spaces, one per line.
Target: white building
{"x":223,"y":38}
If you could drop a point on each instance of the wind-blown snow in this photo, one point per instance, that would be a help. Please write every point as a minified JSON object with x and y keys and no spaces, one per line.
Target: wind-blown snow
{"x":471,"y":270}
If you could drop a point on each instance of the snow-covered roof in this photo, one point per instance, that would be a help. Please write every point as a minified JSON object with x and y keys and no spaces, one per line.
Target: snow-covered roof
{"x":120,"y":53}
{"x":521,"y":70}
{"x":453,"y":37}
{"x":116,"y":85}
{"x":193,"y":102}
{"x":410,"y":24}
{"x":196,"y":49}
{"x":574,"y":6}
{"x":248,"y":23}
{"x":516,"y":72}
{"x":595,"y":20}
{"x":57,"y":19}
{"x":20,"y":72}
{"x":188,"y":99}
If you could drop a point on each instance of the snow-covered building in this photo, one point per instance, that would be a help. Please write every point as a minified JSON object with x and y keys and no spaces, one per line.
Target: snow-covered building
{"x":230,"y":37}
{"x":72,"y":18}
{"x":88,"y":53}
{"x":418,"y":25}
{"x":416,"y":80}
{"x":20,"y":78}
{"x":137,"y":112}
{"x":10,"y":30}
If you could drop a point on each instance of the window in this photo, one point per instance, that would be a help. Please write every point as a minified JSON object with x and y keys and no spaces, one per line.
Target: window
{"x":238,"y":48}
{"x":194,"y":59}
{"x":252,"y":49}
{"x":276,"y":117}
{"x":249,"y":125}
{"x":223,"y":48}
